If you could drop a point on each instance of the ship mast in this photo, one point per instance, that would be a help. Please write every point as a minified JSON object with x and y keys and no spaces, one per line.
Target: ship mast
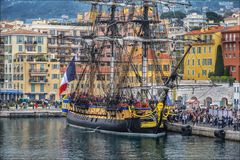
{"x":144,"y":37}
{"x":145,"y":29}
{"x":113,"y":28}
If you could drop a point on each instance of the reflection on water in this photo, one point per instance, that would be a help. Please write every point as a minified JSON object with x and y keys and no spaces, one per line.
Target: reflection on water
{"x":52,"y":139}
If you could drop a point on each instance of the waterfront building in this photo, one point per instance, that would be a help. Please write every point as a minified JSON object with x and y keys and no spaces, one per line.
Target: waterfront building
{"x":194,"y":21}
{"x":28,"y":69}
{"x":232,"y":20}
{"x":155,"y":73}
{"x":231,"y":50}
{"x":57,"y":46}
{"x":202,"y":57}
{"x":236,"y":95}
{"x":177,"y":46}
{"x":177,"y":33}
{"x":39,"y":69}
{"x":62,"y":50}
{"x":206,"y":93}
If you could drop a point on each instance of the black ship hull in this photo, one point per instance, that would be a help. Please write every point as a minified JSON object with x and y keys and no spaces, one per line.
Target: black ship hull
{"x":132,"y":125}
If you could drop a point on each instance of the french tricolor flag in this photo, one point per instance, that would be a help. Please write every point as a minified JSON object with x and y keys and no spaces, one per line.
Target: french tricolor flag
{"x":69,"y":76}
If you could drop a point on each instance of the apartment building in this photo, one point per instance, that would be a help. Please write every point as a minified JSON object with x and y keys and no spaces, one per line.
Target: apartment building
{"x":231,"y":50}
{"x":202,"y":57}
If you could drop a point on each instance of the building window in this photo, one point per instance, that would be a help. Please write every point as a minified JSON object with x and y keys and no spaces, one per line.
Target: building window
{"x":199,"y":50}
{"x":234,"y":37}
{"x":205,"y":49}
{"x":209,"y":61}
{"x":188,"y":62}
{"x":41,"y":87}
{"x":29,"y":48}
{"x":39,"y":49}
{"x":42,"y":67}
{"x":5,"y":40}
{"x":193,"y":50}
{"x":226,"y":37}
{"x":230,"y":37}
{"x":193,"y":72}
{"x":55,"y":66}
{"x":226,"y":47}
{"x":204,"y":72}
{"x":54,"y":76}
{"x":210,"y":50}
{"x":52,"y":31}
{"x":32,"y":87}
{"x":55,"y":86}
{"x":20,"y":49}
{"x":204,"y":62}
{"x":20,"y":39}
{"x":233,"y":69}
{"x":32,"y":66}
{"x":199,"y":62}
{"x":193,"y":62}
{"x":166,"y":67}
{"x":74,"y":33}
{"x":40,"y":40}
{"x":29,"y":39}
{"x":210,"y":37}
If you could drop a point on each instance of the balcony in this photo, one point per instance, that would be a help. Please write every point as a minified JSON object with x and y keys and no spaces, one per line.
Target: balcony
{"x":203,"y":42}
{"x":231,"y":40}
{"x":29,"y":43}
{"x":38,"y":81}
{"x":38,"y":72}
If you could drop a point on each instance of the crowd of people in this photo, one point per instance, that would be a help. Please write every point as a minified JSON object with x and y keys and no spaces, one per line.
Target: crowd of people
{"x":86,"y":100}
{"x":37,"y":104}
{"x":215,"y":117}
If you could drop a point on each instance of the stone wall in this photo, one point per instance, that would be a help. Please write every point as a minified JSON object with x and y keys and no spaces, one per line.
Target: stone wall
{"x":204,"y":91}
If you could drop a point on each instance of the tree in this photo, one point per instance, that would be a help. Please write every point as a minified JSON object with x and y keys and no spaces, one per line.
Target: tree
{"x":214,"y":16}
{"x":228,"y":13}
{"x":219,"y":66}
{"x":211,"y":74}
{"x":227,"y":71}
{"x":195,"y":28}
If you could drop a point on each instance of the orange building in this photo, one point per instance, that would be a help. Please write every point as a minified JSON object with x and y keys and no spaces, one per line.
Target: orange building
{"x":231,"y":50}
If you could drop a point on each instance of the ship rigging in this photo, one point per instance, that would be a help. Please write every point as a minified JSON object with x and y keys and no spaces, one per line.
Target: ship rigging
{"x":138,"y":107}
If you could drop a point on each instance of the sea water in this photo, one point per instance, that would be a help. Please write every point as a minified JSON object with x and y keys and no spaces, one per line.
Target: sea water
{"x":52,"y":138}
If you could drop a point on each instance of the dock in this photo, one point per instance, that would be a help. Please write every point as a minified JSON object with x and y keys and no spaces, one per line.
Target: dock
{"x":213,"y":132}
{"x":30,"y":113}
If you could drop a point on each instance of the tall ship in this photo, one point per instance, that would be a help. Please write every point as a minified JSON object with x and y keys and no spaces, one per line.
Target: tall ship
{"x":120,"y":86}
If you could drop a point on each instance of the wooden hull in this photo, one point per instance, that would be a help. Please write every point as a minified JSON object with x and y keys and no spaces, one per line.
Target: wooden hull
{"x":132,"y":125}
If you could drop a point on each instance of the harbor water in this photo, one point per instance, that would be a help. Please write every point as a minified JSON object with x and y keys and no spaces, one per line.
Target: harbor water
{"x":52,"y":138}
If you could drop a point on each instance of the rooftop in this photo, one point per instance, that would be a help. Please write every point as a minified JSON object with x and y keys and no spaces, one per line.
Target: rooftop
{"x":21,"y":32}
{"x":232,"y":29}
{"x":209,"y":30}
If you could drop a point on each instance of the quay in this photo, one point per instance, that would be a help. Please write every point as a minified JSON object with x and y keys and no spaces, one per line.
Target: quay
{"x":187,"y":129}
{"x":30,"y":113}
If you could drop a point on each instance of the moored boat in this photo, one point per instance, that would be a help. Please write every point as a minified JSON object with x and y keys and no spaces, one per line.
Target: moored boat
{"x":120,"y":107}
